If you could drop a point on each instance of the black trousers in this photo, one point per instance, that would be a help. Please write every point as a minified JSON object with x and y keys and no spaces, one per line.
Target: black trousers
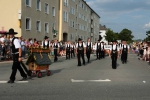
{"x":15,"y":66}
{"x":114,"y":60}
{"x":72,"y":53}
{"x":124,"y":57}
{"x":55,"y":55}
{"x":80,"y":55}
{"x":88,"y":53}
{"x":4,"y":52}
{"x":98,"y":54}
{"x":67,"y":54}
{"x":103,"y":54}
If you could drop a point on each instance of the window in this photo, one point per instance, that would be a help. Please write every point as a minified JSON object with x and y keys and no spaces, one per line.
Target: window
{"x":46,"y":8}
{"x":65,"y":16}
{"x":28,"y":3}
{"x":79,"y":15}
{"x":72,"y":11}
{"x":38,"y":6}
{"x":38,"y":26}
{"x":53,"y":11}
{"x":46,"y":28}
{"x":66,"y":3}
{"x":28,"y":24}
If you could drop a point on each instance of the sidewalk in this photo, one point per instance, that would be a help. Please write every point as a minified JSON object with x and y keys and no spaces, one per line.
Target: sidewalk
{"x":24,"y":60}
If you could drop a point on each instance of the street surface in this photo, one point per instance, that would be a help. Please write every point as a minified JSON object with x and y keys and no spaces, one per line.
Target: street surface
{"x":94,"y":81}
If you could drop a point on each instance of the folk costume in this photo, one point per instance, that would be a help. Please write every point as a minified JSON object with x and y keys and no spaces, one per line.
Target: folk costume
{"x":56,"y":47}
{"x":72,"y":50}
{"x":16,"y":55}
{"x":124,"y":53}
{"x":46,"y":43}
{"x":114,"y":55}
{"x":88,"y":50}
{"x":98,"y":50}
{"x":80,"y":50}
{"x":102,"y":50}
{"x":68,"y":50}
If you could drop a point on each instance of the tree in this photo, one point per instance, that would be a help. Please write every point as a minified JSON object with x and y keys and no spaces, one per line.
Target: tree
{"x":126,"y":35}
{"x":109,"y":35}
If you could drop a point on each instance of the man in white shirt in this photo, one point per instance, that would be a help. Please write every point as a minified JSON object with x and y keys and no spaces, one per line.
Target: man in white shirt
{"x":102,"y":50}
{"x":89,"y":48}
{"x":46,"y":43}
{"x":17,"y":57}
{"x":98,"y":50}
{"x":56,"y":48}
{"x":124,"y":51}
{"x":73,"y":49}
{"x":68,"y":50}
{"x":80,"y":51}
{"x":114,"y":51}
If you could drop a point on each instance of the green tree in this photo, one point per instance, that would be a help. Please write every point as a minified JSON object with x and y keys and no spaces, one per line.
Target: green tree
{"x":109,"y":35}
{"x":126,"y":35}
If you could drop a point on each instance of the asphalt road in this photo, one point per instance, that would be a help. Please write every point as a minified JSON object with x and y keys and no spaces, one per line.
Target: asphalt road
{"x":94,"y":81}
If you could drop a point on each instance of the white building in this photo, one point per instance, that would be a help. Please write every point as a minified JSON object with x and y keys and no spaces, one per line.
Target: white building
{"x":102,"y":32}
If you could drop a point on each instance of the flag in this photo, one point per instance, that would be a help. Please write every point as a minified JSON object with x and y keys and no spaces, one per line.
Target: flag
{"x":54,"y":31}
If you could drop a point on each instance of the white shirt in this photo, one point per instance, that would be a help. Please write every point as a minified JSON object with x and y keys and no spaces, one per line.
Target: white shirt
{"x":102,"y":46}
{"x":54,"y":44}
{"x":88,"y":43}
{"x":96,"y":45}
{"x":125,"y":46}
{"x":46,"y":42}
{"x":114,"y":47}
{"x":17,"y":43}
{"x":67,"y":45}
{"x":73,"y":46}
{"x":80,"y":45}
{"x":2,"y":39}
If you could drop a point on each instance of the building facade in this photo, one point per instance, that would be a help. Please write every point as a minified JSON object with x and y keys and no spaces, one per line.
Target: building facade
{"x":59,"y":19}
{"x":78,"y":21}
{"x":30,"y":18}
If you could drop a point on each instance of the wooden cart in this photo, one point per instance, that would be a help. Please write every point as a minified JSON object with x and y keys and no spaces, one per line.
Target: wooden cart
{"x":39,"y":59}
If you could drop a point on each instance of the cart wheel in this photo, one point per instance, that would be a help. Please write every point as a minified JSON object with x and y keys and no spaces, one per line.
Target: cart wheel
{"x":48,"y":73}
{"x":39,"y":74}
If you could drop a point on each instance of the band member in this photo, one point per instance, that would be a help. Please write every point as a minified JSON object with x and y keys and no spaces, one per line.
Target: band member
{"x":102,"y":49}
{"x":80,"y":51}
{"x":46,"y":43}
{"x":72,"y":50}
{"x":124,"y":52}
{"x":114,"y":51}
{"x":56,"y":47}
{"x":68,"y":49}
{"x":17,"y":58}
{"x":98,"y":50}
{"x":88,"y":49}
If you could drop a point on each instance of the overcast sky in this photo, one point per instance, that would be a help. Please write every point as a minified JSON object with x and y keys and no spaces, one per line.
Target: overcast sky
{"x":119,"y":14}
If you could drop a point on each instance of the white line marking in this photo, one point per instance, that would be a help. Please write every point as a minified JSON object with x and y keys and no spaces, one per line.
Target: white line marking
{"x":106,"y":80}
{"x":15,"y":81}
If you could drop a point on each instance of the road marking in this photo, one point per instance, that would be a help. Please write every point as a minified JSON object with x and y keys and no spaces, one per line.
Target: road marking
{"x":106,"y":80}
{"x":15,"y":81}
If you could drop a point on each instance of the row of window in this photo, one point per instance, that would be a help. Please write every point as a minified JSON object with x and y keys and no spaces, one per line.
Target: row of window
{"x":38,"y":25}
{"x":82,"y":5}
{"x":38,"y":6}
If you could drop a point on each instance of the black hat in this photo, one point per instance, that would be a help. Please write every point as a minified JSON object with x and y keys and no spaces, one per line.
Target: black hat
{"x":46,"y":37}
{"x":102,"y":42}
{"x":79,"y":39}
{"x":98,"y":40}
{"x":11,"y":31}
